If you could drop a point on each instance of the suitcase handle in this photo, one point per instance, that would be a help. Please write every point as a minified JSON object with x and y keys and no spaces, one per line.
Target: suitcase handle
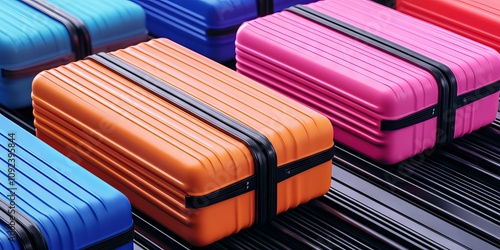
{"x":29,"y":235}
{"x":37,"y":68}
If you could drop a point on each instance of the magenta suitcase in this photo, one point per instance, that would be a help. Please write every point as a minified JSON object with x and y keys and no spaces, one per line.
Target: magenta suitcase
{"x":393,"y":86}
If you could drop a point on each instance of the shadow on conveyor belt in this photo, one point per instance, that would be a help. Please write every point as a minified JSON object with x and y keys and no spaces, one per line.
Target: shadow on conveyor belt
{"x":22,"y":117}
{"x":447,"y":200}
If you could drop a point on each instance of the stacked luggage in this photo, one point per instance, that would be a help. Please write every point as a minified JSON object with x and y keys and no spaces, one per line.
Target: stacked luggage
{"x":392,"y":87}
{"x":200,"y":148}
{"x":37,"y":35}
{"x":49,"y":202}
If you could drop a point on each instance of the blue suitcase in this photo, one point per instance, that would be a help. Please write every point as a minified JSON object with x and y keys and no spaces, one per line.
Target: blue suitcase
{"x":41,"y":34}
{"x":49,"y":202}
{"x":207,"y":26}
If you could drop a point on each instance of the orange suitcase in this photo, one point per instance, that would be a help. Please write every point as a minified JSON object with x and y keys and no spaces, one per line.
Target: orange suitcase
{"x":478,"y":20}
{"x":198,"y":147}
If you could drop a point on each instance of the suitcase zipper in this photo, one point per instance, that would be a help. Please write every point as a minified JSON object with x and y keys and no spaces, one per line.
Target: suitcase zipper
{"x":80,"y":38}
{"x":284,"y":172}
{"x":291,"y":169}
{"x":265,"y":179}
{"x":477,"y":94}
{"x":431,"y":112}
{"x":233,"y":190}
{"x":410,"y":120}
{"x":114,"y":242}
{"x":262,"y":150}
{"x":444,"y":77}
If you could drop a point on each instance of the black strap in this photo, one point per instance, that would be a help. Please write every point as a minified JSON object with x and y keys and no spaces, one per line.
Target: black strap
{"x":415,"y":118}
{"x":475,"y":95}
{"x":291,"y":169}
{"x":267,"y":174}
{"x":80,"y":37}
{"x":215,"y":32}
{"x":29,"y":235}
{"x":265,"y":7}
{"x":265,"y":161}
{"x":225,"y":193}
{"x":428,"y":113}
{"x":283,"y":173}
{"x":445,"y":109}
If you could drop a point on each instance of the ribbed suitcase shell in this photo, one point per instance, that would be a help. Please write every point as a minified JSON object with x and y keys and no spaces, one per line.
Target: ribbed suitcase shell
{"x":28,"y":37}
{"x":190,"y":23}
{"x":357,"y":85}
{"x":72,"y":207}
{"x":157,"y":154}
{"x":477,"y":20}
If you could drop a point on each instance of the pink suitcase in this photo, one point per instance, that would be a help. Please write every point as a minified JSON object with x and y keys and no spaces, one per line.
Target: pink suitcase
{"x":392,"y":85}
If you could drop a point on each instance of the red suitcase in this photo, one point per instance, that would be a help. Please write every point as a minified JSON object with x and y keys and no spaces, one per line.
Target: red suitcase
{"x":477,"y":20}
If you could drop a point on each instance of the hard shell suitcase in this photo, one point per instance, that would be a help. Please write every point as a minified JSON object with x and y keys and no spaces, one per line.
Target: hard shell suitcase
{"x":207,"y":27}
{"x":192,"y":144}
{"x":42,"y":34}
{"x":474,"y":19}
{"x":392,"y":85}
{"x":49,"y":202}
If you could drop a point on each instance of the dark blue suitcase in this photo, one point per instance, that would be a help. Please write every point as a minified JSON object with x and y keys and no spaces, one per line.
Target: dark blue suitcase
{"x":207,"y":26}
{"x":49,"y":202}
{"x":41,"y":34}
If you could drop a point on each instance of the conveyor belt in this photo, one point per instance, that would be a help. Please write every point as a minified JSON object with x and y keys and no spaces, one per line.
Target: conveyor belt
{"x":444,"y":200}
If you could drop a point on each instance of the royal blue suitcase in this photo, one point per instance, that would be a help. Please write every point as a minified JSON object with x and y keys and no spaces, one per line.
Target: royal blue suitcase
{"x":41,"y":34}
{"x":207,"y":26}
{"x":49,"y":202}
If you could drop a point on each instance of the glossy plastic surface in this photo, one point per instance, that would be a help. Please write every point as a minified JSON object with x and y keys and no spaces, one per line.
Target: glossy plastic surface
{"x":478,"y":20}
{"x":356,"y":85}
{"x":71,"y":206}
{"x":29,"y":37}
{"x":157,"y":154}
{"x":186,"y":22}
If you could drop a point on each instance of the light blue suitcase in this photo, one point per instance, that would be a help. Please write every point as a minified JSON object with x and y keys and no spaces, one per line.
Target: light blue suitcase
{"x":49,"y":202}
{"x":207,"y":26}
{"x":41,"y":34}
